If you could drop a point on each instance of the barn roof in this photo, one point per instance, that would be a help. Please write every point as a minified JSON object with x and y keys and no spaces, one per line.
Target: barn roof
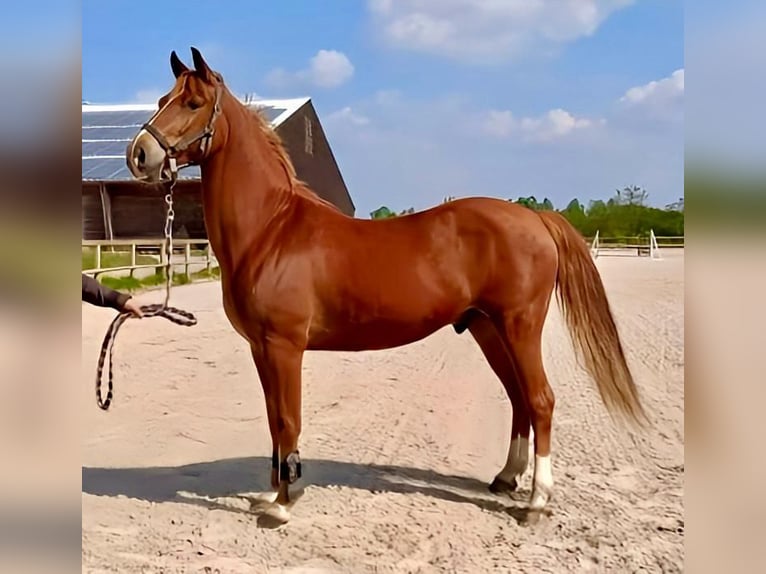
{"x":107,"y":129}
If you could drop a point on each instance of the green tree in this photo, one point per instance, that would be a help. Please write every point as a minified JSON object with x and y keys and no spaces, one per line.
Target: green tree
{"x":625,"y":214}
{"x":676,"y":205}
{"x":574,"y":207}
{"x":382,"y":212}
{"x":631,"y":195}
{"x":530,"y":202}
{"x":575,"y":214}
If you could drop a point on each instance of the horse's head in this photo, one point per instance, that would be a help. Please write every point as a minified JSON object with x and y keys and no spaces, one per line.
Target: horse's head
{"x":182,"y":130}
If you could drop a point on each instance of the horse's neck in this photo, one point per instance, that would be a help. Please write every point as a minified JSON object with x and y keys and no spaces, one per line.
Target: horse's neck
{"x":244,"y":186}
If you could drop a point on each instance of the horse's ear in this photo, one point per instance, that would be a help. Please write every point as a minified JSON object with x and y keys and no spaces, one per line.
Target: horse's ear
{"x":200,"y":65}
{"x":177,"y":65}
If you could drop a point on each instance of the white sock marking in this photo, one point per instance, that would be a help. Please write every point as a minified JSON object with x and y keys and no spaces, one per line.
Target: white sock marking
{"x":543,"y":482}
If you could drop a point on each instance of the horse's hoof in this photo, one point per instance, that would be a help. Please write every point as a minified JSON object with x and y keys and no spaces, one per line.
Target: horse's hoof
{"x":262,"y":501}
{"x":536,"y":516}
{"x":500,"y":486}
{"x":274,"y":516}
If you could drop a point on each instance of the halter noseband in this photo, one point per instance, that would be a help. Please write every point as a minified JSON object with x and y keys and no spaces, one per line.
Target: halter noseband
{"x":206,"y":135}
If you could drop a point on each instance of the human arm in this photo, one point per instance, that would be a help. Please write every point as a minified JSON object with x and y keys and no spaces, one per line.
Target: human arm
{"x":100,"y":295}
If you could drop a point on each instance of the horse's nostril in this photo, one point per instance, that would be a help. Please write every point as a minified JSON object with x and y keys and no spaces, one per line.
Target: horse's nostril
{"x":141,"y":156}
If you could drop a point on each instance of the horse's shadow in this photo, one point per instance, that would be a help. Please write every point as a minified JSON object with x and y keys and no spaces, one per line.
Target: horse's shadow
{"x":234,"y":477}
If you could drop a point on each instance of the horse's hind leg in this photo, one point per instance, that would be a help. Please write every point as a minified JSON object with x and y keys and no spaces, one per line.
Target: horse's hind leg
{"x":492,"y":345}
{"x":523,"y":331}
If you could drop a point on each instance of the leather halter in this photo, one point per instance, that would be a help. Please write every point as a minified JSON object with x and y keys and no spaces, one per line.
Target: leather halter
{"x":206,"y":135}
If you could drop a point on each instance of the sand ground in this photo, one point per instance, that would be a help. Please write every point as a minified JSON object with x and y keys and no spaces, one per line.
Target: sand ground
{"x":398,"y":448}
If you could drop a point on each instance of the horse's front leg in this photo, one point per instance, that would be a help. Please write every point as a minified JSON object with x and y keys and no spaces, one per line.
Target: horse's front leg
{"x":271,"y":412}
{"x":282,"y":361}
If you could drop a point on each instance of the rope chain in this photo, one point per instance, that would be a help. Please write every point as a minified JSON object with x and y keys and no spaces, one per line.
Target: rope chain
{"x":172,"y":314}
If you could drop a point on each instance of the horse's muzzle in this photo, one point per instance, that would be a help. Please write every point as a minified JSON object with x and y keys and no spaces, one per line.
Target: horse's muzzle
{"x":145,"y":157}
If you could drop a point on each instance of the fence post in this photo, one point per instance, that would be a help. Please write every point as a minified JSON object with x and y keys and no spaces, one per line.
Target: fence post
{"x":98,"y":256}
{"x":187,"y":257}
{"x":164,"y":261}
{"x":132,"y":258}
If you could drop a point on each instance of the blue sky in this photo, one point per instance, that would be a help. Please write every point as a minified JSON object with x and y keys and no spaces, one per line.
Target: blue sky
{"x":423,"y":99}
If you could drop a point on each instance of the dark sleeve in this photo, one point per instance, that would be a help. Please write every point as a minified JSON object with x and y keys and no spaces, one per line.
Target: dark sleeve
{"x":95,"y":293}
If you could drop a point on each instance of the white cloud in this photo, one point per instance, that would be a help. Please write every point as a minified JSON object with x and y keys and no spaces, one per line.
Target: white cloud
{"x":330,"y":68}
{"x":657,"y":91}
{"x":148,"y":96}
{"x":387,"y":97}
{"x":326,"y":69}
{"x":416,"y":151}
{"x":348,"y":116}
{"x":499,"y":123}
{"x":488,"y":30}
{"x":659,"y":100}
{"x":552,"y":125}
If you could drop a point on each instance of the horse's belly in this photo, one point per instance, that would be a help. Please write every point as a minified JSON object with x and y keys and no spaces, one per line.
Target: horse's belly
{"x":372,"y":335}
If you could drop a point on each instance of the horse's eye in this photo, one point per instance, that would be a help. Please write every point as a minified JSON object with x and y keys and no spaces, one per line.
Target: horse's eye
{"x":194,"y":105}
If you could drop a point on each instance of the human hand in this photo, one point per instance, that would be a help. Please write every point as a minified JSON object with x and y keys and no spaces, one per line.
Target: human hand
{"x":132,"y":307}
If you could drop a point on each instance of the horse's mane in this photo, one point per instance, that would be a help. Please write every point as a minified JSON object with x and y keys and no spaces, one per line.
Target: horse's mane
{"x":276,"y":145}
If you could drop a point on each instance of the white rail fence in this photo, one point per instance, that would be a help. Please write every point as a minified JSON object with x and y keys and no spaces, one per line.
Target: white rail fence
{"x":128,"y":256}
{"x":642,"y":245}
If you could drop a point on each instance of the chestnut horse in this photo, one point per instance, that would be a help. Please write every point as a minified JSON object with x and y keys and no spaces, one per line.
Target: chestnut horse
{"x":298,"y":275}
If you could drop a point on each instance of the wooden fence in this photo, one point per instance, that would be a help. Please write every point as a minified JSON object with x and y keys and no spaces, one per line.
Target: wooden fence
{"x":130,"y":255}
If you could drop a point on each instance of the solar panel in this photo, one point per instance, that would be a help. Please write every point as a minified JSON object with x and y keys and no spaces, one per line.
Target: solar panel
{"x":116,"y":118}
{"x":104,"y":147}
{"x":106,"y":133}
{"x":102,"y":169}
{"x":101,"y":134}
{"x":115,"y":169}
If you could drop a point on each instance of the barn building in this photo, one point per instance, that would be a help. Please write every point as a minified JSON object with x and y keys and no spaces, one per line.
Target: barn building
{"x":115,"y":206}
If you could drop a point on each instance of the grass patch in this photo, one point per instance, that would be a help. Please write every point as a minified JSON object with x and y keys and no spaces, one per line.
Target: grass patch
{"x":131,"y":284}
{"x":113,"y":258}
{"x":214,"y":273}
{"x":126,"y":284}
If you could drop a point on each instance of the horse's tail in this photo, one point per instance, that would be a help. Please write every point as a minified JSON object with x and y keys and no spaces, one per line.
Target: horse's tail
{"x":582,"y":298}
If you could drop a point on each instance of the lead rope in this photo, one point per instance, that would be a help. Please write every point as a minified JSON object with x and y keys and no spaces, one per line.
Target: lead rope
{"x":173,"y":314}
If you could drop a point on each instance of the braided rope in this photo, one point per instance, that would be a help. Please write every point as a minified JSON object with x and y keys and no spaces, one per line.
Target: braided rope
{"x":177,"y":316}
{"x":173,"y":314}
